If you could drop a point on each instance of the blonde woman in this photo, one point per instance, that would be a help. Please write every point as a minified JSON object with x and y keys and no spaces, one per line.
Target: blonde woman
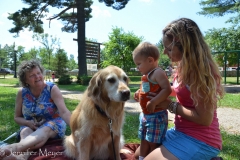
{"x":197,"y":87}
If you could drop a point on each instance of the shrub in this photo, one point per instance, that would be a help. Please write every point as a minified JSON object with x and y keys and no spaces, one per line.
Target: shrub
{"x":65,"y":79}
{"x":83,"y":80}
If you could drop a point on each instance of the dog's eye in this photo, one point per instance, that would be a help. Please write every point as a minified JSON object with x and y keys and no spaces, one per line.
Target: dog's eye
{"x":112,"y":80}
{"x":125,"y":79}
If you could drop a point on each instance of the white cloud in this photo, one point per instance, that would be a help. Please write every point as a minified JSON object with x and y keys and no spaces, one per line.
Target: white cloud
{"x":25,"y":39}
{"x":97,"y":12}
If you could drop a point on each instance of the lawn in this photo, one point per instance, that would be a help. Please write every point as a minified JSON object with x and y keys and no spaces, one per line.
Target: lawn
{"x":8,"y":126}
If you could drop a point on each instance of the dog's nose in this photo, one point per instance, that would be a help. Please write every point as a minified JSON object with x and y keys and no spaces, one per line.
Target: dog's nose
{"x":125,"y":95}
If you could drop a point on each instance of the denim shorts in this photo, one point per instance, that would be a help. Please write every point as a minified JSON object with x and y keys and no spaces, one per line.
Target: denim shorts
{"x":185,"y":147}
{"x":153,"y":127}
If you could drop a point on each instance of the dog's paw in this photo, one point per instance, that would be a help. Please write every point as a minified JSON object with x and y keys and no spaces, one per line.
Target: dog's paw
{"x":125,"y":151}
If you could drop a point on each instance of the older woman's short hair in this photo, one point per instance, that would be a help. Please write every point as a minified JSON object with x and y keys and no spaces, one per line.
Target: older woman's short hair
{"x":27,"y":66}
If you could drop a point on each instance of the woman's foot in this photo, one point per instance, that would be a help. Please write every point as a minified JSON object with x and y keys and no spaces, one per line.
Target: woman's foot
{"x":4,"y":153}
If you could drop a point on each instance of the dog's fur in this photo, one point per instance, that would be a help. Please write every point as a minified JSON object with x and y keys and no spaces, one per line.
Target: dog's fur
{"x":90,"y":137}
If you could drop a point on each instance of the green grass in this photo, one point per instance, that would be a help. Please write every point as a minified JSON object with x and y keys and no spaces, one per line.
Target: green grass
{"x":8,"y":126}
{"x":231,"y":80}
{"x":9,"y":80}
{"x":230,"y":150}
{"x":230,"y":100}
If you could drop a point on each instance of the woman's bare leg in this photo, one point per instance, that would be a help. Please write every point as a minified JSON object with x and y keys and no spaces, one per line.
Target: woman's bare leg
{"x":25,"y":132}
{"x":160,"y":153}
{"x":33,"y":141}
{"x":137,"y":152}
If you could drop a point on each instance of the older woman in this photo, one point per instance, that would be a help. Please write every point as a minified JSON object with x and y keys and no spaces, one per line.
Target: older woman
{"x":39,"y":110}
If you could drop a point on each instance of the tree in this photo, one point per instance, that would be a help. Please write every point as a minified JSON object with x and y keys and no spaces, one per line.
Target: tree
{"x":115,"y":4}
{"x":60,"y":62}
{"x":43,"y":54}
{"x":31,"y":18}
{"x":163,"y":61}
{"x":118,"y":50}
{"x":3,"y":56}
{"x":49,"y":42}
{"x":71,"y":63}
{"x":224,"y":39}
{"x":218,"y":8}
{"x":33,"y":53}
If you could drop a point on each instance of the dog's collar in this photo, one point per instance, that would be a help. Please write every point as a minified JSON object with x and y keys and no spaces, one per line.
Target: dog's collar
{"x":101,"y":111}
{"x":110,"y":126}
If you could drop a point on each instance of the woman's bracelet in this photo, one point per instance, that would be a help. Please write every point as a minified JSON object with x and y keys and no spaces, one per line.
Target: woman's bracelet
{"x":172,"y":107}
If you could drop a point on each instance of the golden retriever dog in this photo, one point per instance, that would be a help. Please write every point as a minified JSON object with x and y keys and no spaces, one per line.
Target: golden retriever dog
{"x":97,"y":121}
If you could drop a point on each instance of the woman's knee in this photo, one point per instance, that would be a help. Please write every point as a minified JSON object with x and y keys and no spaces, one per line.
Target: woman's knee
{"x":25,"y":132}
{"x":49,"y":132}
{"x":43,"y":135}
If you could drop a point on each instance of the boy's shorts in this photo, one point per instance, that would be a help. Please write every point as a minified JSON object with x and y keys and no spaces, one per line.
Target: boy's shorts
{"x":185,"y":147}
{"x":153,"y":127}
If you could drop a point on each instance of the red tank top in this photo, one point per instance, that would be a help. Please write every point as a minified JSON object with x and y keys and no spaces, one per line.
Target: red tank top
{"x":148,"y":86}
{"x":208,"y":134}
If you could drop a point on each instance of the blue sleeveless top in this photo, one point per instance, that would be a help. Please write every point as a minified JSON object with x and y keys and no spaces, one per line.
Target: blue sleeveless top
{"x":43,"y":109}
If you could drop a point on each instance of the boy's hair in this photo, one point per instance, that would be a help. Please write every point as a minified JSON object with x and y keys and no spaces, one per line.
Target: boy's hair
{"x":27,"y":66}
{"x":196,"y":61}
{"x":147,"y":49}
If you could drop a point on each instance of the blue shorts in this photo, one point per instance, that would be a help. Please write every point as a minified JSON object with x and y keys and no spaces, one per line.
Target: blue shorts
{"x":153,"y":127}
{"x":185,"y":147}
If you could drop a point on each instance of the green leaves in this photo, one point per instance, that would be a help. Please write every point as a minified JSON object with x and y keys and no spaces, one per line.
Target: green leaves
{"x":118,"y":50}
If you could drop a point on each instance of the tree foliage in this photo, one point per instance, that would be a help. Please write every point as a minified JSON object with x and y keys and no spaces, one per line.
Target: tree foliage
{"x":163,"y":61}
{"x":71,"y":63}
{"x":7,"y":55}
{"x":224,"y":39}
{"x":115,"y":4}
{"x":32,"y":17}
{"x":118,"y":50}
{"x":73,"y":14}
{"x":3,"y":56}
{"x":219,"y":8}
{"x":49,"y":42}
{"x":60,"y":62}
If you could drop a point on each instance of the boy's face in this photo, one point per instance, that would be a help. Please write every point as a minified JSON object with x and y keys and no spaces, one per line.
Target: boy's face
{"x":144,"y":64}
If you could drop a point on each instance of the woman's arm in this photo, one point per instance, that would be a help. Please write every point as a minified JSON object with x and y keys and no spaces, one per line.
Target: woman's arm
{"x":59,"y":101}
{"x":18,"y":117}
{"x":199,"y":114}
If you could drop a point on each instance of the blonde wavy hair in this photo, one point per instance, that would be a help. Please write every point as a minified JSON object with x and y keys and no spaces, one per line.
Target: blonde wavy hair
{"x":197,"y":69}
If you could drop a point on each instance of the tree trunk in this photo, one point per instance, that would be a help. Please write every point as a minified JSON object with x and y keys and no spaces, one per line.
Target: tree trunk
{"x":82,"y":65}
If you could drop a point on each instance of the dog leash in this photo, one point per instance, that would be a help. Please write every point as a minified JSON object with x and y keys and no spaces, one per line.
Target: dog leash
{"x":110,"y":127}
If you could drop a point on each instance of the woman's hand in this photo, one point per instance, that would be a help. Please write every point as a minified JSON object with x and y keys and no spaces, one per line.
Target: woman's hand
{"x":31,"y":124}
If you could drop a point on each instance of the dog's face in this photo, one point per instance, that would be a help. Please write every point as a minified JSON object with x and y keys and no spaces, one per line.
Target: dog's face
{"x":110,"y":84}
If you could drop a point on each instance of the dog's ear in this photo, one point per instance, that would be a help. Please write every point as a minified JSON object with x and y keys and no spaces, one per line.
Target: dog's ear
{"x":95,"y":85}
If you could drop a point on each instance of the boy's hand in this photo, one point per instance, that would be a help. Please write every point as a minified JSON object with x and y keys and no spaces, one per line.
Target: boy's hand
{"x":136,"y":95}
{"x":150,"y":106}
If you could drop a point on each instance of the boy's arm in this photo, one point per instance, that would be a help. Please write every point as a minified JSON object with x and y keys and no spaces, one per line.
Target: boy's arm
{"x":160,"y":77}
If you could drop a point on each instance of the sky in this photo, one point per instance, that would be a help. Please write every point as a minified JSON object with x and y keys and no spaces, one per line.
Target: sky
{"x":143,"y":18}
